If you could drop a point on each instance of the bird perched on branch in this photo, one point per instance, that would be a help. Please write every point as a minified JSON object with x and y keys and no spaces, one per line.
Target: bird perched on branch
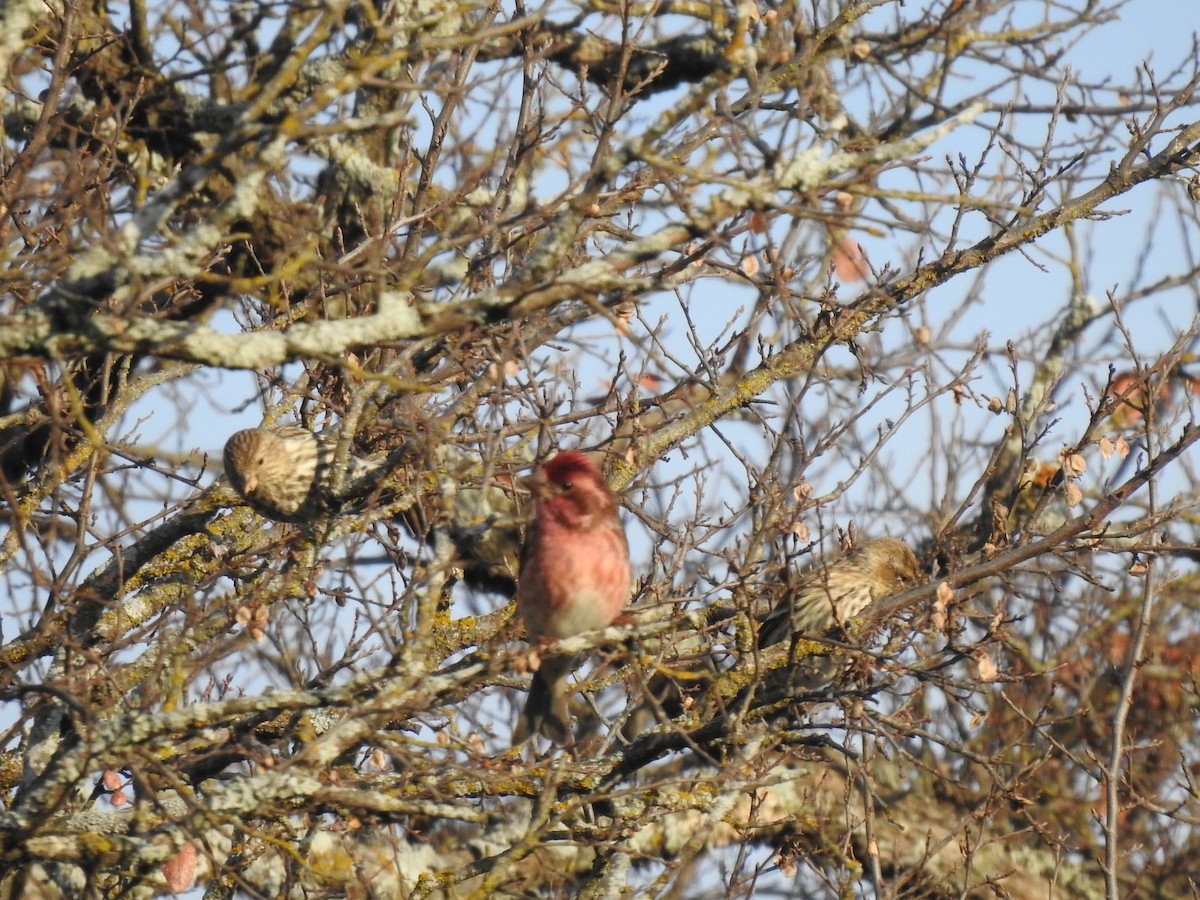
{"x":574,"y":577}
{"x":841,"y":591}
{"x":821,"y":598}
{"x":283,"y":472}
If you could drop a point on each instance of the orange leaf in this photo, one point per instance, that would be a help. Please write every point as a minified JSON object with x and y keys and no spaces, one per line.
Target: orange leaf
{"x":849,"y":261}
{"x":180,"y":871}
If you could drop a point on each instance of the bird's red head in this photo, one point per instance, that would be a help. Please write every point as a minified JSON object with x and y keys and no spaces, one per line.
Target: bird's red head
{"x":569,"y":487}
{"x":569,"y":466}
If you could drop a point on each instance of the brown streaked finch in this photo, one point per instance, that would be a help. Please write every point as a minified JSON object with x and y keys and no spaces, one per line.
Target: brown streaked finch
{"x":282,"y":472}
{"x":574,"y":577}
{"x":836,"y":593}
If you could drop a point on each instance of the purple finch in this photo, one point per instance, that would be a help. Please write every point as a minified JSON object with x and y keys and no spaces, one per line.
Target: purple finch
{"x":574,"y":577}
{"x":835,"y":594}
{"x":283,"y":472}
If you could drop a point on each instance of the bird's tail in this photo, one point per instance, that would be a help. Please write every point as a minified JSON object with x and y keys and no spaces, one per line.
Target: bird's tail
{"x":546,"y":711}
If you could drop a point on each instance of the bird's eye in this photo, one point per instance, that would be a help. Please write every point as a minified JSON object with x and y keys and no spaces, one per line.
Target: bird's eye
{"x":565,"y":485}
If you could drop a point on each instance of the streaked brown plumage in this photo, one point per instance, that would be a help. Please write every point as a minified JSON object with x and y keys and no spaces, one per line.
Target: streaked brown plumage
{"x":834,"y":594}
{"x":283,"y":472}
{"x":276,"y":471}
{"x":817,"y":600}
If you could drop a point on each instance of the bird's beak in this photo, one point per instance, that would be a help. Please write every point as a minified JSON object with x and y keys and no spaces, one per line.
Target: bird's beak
{"x":251,"y":483}
{"x":536,"y":484}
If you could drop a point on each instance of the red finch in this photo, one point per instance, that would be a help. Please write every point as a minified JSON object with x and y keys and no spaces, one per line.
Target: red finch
{"x":574,"y":577}
{"x":835,"y":594}
{"x":283,"y":472}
